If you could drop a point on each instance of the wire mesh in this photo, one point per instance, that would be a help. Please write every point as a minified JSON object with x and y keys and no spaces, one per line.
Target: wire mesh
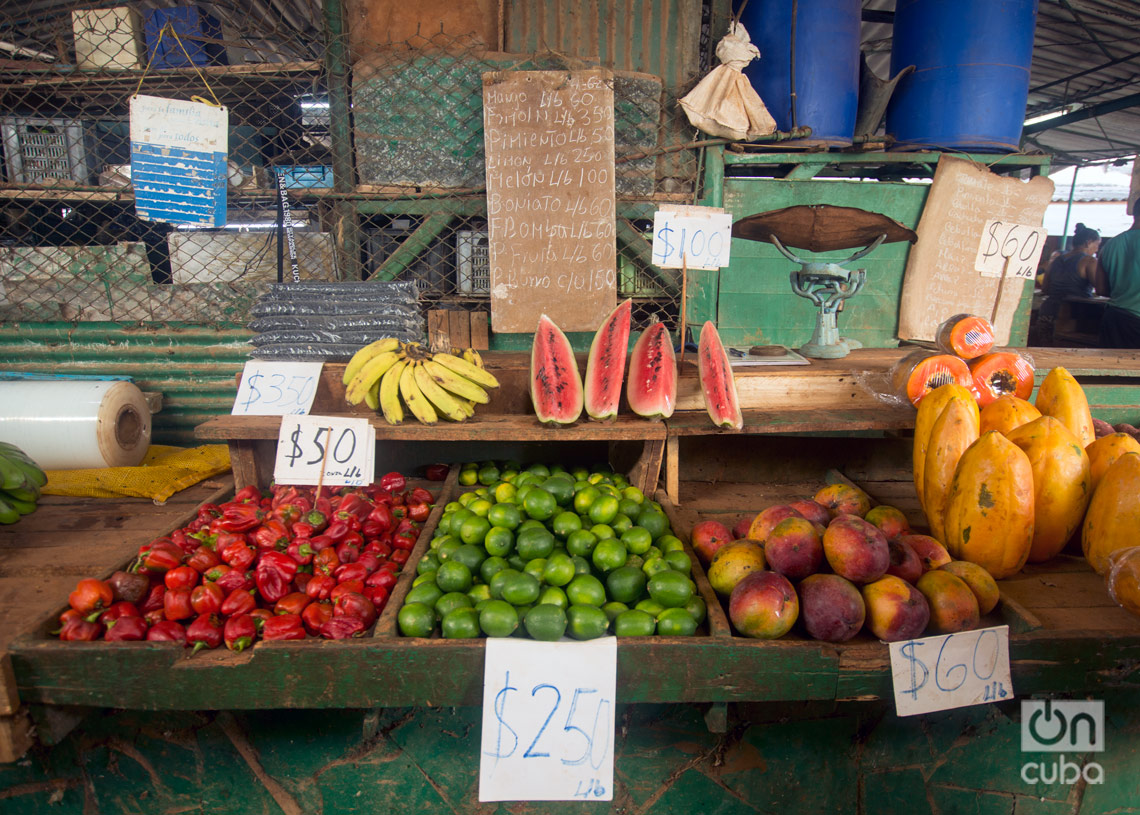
{"x":402,"y":126}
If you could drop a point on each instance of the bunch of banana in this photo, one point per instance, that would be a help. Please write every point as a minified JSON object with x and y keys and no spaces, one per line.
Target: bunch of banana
{"x":20,"y":482}
{"x":389,"y":375}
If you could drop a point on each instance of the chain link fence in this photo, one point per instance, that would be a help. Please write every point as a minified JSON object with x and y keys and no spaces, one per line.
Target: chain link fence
{"x":401,"y":124}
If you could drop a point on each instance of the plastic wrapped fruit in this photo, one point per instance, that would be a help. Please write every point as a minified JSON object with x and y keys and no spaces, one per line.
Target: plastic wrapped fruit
{"x":965,"y":335}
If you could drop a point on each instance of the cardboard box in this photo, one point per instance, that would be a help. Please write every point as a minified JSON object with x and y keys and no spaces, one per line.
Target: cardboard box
{"x":108,"y":38}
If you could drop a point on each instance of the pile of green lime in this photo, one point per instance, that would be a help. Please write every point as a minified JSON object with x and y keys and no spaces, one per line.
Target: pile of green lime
{"x":545,"y":551}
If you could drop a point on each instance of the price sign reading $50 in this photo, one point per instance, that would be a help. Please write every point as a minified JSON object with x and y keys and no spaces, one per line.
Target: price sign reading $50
{"x":276,"y":388}
{"x":954,"y":670}
{"x":548,"y":720}
{"x":346,"y":448}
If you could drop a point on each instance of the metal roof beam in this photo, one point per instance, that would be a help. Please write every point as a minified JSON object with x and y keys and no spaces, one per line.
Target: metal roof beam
{"x":1130,"y":101}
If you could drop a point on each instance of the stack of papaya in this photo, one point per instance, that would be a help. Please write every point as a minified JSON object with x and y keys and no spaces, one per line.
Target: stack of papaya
{"x":1008,"y":482}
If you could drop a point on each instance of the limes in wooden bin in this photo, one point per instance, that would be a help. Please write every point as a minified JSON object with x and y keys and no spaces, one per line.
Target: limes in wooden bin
{"x":540,"y":504}
{"x":586,"y":622}
{"x":451,"y":601}
{"x":546,"y":622}
{"x":499,"y":541}
{"x":416,"y":620}
{"x":498,"y":618}
{"x":676,"y":622}
{"x":462,"y":623}
{"x":634,"y":623}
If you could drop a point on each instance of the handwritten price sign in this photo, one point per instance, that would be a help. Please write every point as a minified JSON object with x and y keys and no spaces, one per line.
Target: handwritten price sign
{"x":1010,"y":249}
{"x":955,"y":670}
{"x":702,"y":236}
{"x":276,"y":388}
{"x":345,"y":447}
{"x":548,"y":721}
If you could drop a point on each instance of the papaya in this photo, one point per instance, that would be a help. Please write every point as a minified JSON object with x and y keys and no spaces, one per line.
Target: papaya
{"x":1114,"y":512}
{"x":1062,"y":397}
{"x":1001,"y":373}
{"x":1062,"y":484}
{"x":929,"y":409}
{"x":965,"y":335}
{"x":1007,"y":412}
{"x":920,"y":372}
{"x":954,"y":431}
{"x":989,"y":510}
{"x":1106,"y":450}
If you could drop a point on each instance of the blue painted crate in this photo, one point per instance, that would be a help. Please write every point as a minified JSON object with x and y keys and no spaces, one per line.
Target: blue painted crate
{"x":189,"y":22}
{"x":307,"y":176}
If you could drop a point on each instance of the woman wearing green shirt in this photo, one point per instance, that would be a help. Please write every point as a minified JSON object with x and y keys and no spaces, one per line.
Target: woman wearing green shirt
{"x":1118,"y":276}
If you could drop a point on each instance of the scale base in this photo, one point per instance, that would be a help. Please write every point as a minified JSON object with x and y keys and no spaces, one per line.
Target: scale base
{"x":833,"y":350}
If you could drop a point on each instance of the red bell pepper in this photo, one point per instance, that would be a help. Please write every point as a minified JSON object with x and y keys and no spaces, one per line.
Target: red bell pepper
{"x":188,"y":543}
{"x":239,"y":632}
{"x":215,"y":573}
{"x":419,"y":512}
{"x":347,"y":552}
{"x":346,"y":587}
{"x":321,"y":542}
{"x":400,"y":556}
{"x":320,"y":586}
{"x":436,"y":472}
{"x":302,"y":579}
{"x":207,"y":598}
{"x":126,"y":629}
{"x":292,"y":603}
{"x":301,"y":552}
{"x":154,"y":598}
{"x":403,"y":543}
{"x":239,"y":517}
{"x":91,"y":595}
{"x":351,"y":571}
{"x":78,"y":629}
{"x":161,"y":556}
{"x":183,"y":577}
{"x":247,"y":494}
{"x":238,"y":554}
{"x":325,"y":561}
{"x":202,"y":559}
{"x":271,"y":535}
{"x":117,"y":610}
{"x":315,"y":615}
{"x":238,"y":602}
{"x":369,"y":560}
{"x":343,"y":628}
{"x":233,"y":580}
{"x":317,"y":519}
{"x":157,"y":615}
{"x":302,"y":530}
{"x":283,"y":627}
{"x":380,"y":548}
{"x":382,"y":577}
{"x":381,"y":514}
{"x":420,"y":496}
{"x":167,"y":631}
{"x":392,"y":482}
{"x":274,"y":574}
{"x":208,"y":512}
{"x":353,"y":505}
{"x":337,"y":530}
{"x":129,"y":586}
{"x":176,"y":604}
{"x":353,"y":604}
{"x":204,"y":632}
{"x":378,"y":595}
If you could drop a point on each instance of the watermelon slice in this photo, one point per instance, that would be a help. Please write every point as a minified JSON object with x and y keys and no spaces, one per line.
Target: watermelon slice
{"x":555,"y":384}
{"x":651,"y":387}
{"x":717,"y":381}
{"x":606,"y":366}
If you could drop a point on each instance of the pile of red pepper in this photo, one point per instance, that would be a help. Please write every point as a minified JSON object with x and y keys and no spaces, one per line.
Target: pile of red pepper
{"x":282,"y":565}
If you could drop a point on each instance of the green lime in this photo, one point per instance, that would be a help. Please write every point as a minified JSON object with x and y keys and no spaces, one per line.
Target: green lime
{"x":466,"y":498}
{"x":491,"y":567}
{"x":655,"y":565}
{"x":509,"y":476}
{"x":474,"y":529}
{"x":609,"y":489}
{"x":559,"y":569}
{"x":478,"y":593}
{"x":505,"y":515}
{"x":585,"y":589}
{"x":650,"y":606}
{"x":460,"y":623}
{"x":448,"y":548}
{"x":535,"y":567}
{"x":451,"y":601}
{"x":579,"y":473}
{"x":634,"y":623}
{"x":676,"y":622}
{"x":586,"y":622}
{"x":426,"y":577}
{"x":553,"y":595}
{"x":481,"y":604}
{"x":581,"y":565}
{"x":697,"y":608}
{"x":609,"y":555}
{"x":498,"y":619}
{"x":516,"y":562}
{"x":669,"y":588}
{"x":444,"y":526}
{"x":540,"y":504}
{"x":635,"y":560}
{"x":499,"y":541}
{"x":523,"y":479}
{"x":603,"y":510}
{"x":488,"y":475}
{"x":520,"y":589}
{"x":428,"y":563}
{"x":628,"y":508}
{"x":584,"y":499}
{"x":613,"y":608}
{"x":523,"y":491}
{"x":416,"y":620}
{"x":652,"y":553}
{"x":468,"y":478}
{"x":481,"y":507}
{"x":530,"y":523}
{"x":535,"y":542}
{"x":538,"y":469}
{"x":581,"y":543}
{"x":596,"y":478}
{"x":505,"y":492}
{"x":626,"y":584}
{"x":451,"y":506}
{"x":621,"y":524}
{"x":670,"y":543}
{"x":679,"y":562}
{"x":637,"y":540}
{"x":633,"y":494}
{"x":458,"y":517}
{"x":453,"y":576}
{"x":426,"y":593}
{"x":620,"y":481}
{"x":602,"y":531}
{"x":561,"y":487}
{"x":470,"y":556}
{"x":500,"y":579}
{"x":546,"y":622}
{"x":565,"y":523}
{"x":654,"y":520}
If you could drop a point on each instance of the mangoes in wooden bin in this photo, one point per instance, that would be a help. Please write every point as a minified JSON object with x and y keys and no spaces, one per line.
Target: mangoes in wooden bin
{"x":989,"y":509}
{"x":1062,"y":484}
{"x":1114,"y":513}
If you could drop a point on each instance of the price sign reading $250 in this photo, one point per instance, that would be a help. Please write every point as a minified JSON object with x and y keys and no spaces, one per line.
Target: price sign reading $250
{"x":276,"y":388}
{"x":954,"y":670}
{"x":345,"y":447}
{"x":548,"y":720}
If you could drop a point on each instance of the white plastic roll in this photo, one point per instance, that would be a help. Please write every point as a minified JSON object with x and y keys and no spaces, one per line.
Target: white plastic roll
{"x":65,"y":424}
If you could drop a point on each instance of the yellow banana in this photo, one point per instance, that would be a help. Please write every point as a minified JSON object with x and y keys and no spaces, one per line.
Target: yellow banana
{"x":417,"y":403}
{"x":361,"y":357}
{"x":472,"y":356}
{"x":369,"y":375}
{"x":459,"y":385}
{"x":372,"y":398}
{"x":467,"y":370}
{"x":443,"y":401}
{"x":467,"y":406}
{"x":390,"y":393}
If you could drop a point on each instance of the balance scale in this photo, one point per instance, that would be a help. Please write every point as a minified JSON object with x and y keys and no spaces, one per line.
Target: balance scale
{"x":827,"y":284}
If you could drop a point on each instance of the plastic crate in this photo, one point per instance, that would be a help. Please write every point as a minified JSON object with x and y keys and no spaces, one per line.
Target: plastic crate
{"x":473,"y":266}
{"x":307,"y":176}
{"x":191,"y":24}
{"x":36,"y":149}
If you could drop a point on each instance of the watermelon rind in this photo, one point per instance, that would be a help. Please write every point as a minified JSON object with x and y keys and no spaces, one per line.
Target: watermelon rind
{"x":651,"y":385}
{"x":605,"y":367}
{"x":555,"y":384}
{"x":717,"y":382}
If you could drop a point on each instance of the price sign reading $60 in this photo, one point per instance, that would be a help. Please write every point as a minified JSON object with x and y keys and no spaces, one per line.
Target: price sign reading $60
{"x":276,"y":388}
{"x":954,"y":670}
{"x":548,"y":720}
{"x":345,"y":447}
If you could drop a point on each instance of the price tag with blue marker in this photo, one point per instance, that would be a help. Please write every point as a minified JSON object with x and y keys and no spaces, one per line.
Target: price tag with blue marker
{"x":954,"y":670}
{"x":548,"y":720}
{"x":345,"y":449}
{"x":276,"y":388}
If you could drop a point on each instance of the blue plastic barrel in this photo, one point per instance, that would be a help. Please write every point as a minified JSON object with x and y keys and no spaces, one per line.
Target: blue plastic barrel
{"x":824,"y":62}
{"x":971,"y":78}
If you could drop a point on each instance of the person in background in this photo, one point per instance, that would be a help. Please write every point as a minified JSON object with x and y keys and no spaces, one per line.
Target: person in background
{"x":1118,"y":277}
{"x":1071,"y":274}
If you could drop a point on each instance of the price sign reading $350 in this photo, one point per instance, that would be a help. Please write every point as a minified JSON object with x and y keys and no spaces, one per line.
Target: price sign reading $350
{"x":276,"y":388}
{"x":345,"y":447}
{"x":954,"y":670}
{"x":548,"y":720}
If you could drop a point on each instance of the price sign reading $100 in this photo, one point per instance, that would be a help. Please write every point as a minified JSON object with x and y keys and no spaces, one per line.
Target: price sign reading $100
{"x":955,"y":670}
{"x":276,"y":388}
{"x":548,"y":720}
{"x":1012,"y":250}
{"x":695,"y":237}
{"x":346,"y":448}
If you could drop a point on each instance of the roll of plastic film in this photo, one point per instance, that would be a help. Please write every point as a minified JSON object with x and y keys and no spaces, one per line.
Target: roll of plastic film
{"x":76,"y":424}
